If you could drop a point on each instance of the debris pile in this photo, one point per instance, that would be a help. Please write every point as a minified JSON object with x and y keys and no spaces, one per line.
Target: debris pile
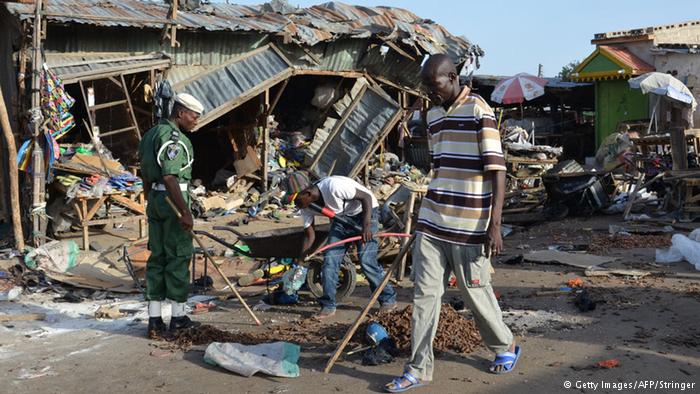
{"x":387,"y":173}
{"x":454,"y":333}
{"x":306,"y":332}
{"x":600,"y":244}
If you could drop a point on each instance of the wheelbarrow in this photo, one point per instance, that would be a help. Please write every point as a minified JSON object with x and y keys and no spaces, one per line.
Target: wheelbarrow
{"x":275,"y":245}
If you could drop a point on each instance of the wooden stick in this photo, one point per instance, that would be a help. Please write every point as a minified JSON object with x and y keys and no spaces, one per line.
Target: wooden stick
{"x":216,"y":265}
{"x":636,"y":190}
{"x":12,"y":172}
{"x":23,"y":317}
{"x":372,"y":300}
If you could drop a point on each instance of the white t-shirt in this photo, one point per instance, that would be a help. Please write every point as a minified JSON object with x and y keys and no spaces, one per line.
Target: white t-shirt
{"x":338,"y":193}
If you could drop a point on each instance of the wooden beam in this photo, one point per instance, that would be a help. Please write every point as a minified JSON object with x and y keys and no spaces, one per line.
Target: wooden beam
{"x":13,"y":174}
{"x":173,"y":26}
{"x":130,"y":108}
{"x":266,"y":138}
{"x":278,"y":95}
{"x":125,"y":202}
{"x":679,"y":149}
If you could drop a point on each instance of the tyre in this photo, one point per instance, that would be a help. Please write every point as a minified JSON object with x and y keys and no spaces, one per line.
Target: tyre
{"x":346,"y":281}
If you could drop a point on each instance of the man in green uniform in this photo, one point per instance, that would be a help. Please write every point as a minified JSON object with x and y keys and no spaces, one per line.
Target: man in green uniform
{"x":166,"y":167}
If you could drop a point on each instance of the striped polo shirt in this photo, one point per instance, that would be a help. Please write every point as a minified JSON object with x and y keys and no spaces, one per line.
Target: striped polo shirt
{"x":464,"y":145}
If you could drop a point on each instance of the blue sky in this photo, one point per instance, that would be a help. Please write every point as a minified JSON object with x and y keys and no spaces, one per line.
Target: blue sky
{"x":518,"y":35}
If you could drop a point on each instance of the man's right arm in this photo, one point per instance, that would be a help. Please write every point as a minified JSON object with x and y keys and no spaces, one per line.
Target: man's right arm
{"x":309,"y":238}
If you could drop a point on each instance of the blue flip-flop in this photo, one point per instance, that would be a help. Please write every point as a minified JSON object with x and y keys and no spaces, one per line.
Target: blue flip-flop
{"x":507,"y":360}
{"x":397,"y":383}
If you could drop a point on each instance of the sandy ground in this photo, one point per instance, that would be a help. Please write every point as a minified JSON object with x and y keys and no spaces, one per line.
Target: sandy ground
{"x":650,"y":325}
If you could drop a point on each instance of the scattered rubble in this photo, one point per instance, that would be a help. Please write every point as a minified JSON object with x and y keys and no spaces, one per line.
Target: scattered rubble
{"x":604,"y":243}
{"x":455,"y":333}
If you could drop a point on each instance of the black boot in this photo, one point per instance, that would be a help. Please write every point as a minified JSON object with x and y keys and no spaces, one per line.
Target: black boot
{"x":178,"y":323}
{"x":156,"y":327}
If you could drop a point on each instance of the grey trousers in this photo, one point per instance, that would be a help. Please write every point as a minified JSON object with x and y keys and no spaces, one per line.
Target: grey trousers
{"x":433,"y":260}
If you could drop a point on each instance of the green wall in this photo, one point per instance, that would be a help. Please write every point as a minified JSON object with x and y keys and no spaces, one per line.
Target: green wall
{"x":615,"y":102}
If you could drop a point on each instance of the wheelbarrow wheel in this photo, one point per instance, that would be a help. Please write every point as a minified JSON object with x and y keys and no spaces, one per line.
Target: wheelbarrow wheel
{"x":346,"y":281}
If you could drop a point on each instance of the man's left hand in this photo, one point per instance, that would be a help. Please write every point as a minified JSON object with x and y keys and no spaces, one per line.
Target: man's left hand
{"x":494,"y":241}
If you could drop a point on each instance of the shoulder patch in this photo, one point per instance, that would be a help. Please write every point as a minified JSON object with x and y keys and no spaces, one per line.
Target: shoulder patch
{"x":172,"y":151}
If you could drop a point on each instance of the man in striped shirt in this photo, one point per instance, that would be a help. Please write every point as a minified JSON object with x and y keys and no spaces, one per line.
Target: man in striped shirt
{"x":459,"y":224}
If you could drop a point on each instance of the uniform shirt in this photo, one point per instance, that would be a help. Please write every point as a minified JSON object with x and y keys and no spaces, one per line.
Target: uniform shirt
{"x":465,"y":144}
{"x":338,"y":193}
{"x":174,"y":158}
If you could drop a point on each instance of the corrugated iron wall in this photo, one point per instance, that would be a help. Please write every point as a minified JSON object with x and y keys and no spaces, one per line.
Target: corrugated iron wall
{"x":196,"y":48}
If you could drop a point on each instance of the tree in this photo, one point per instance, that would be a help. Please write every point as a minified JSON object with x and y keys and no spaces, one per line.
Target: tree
{"x":566,"y":71}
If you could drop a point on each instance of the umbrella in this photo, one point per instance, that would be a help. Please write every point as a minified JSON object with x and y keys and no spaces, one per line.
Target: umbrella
{"x":518,"y":88}
{"x":666,"y":85}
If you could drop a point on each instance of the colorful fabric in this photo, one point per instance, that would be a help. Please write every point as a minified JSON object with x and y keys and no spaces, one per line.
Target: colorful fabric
{"x":465,"y":146}
{"x":56,"y":104}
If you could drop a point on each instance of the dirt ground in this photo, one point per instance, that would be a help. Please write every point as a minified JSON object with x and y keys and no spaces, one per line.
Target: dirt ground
{"x":649,"y":324}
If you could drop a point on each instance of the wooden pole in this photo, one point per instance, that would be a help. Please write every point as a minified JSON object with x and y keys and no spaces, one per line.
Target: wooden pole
{"x":679,"y":149}
{"x":173,"y":27}
{"x":38,"y":176}
{"x":372,"y":300}
{"x":266,"y":138}
{"x":216,"y":265}
{"x":408,"y":220}
{"x":13,"y":174}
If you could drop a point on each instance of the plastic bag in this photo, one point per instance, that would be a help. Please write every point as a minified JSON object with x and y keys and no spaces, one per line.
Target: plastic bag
{"x":55,"y":256}
{"x":682,"y":248}
{"x":276,"y":359}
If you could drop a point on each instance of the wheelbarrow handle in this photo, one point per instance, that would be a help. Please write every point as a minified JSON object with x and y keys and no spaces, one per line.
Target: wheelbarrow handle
{"x":217,"y":239}
{"x":231,"y":230}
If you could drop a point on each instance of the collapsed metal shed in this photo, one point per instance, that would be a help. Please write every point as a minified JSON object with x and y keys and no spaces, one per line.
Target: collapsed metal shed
{"x":111,"y":55}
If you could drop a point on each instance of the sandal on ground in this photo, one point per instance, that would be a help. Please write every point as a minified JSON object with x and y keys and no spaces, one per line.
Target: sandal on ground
{"x":406,"y":377}
{"x":506,"y":361}
{"x":324,"y":313}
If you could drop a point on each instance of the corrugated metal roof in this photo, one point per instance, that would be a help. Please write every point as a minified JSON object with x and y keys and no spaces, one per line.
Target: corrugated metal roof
{"x":357,"y":135}
{"x":307,"y":26}
{"x":220,"y":88}
{"x":80,"y":66}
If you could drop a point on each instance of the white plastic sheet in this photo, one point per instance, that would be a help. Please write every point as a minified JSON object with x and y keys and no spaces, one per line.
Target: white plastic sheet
{"x":682,"y":248}
{"x":276,"y":359}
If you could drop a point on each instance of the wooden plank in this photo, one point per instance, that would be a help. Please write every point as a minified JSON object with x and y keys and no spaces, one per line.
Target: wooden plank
{"x":408,"y":220}
{"x":117,"y":220}
{"x":23,"y":317}
{"x":266,"y":138}
{"x":143,"y":229}
{"x":110,"y":104}
{"x":85,"y":102}
{"x":125,"y":202}
{"x":130,"y":108}
{"x":118,"y":131}
{"x":95,"y":207}
{"x":278,"y":95}
{"x":173,"y":27}
{"x":679,"y":149}
{"x":86,"y":233}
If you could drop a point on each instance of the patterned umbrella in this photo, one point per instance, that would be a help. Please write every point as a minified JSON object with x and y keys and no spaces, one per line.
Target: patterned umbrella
{"x":518,"y":88}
